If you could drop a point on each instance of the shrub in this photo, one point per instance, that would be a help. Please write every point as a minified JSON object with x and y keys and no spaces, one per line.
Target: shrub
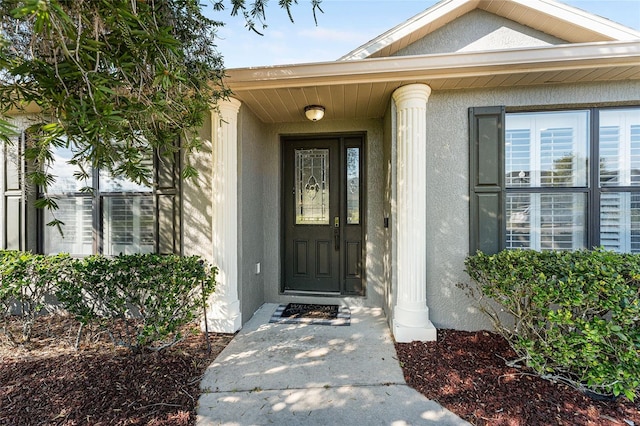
{"x":574,"y":316}
{"x":26,"y":282}
{"x":140,"y":300}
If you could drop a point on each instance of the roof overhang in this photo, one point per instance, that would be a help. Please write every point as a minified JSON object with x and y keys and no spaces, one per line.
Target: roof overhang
{"x":361,"y":88}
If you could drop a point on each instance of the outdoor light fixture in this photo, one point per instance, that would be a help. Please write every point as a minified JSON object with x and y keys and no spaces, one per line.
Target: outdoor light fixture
{"x":314,"y":112}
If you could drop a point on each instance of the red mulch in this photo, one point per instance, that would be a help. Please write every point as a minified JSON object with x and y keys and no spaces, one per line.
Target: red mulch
{"x":48,"y":382}
{"x":465,"y":373}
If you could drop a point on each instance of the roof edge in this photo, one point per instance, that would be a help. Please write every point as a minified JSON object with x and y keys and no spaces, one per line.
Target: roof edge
{"x":424,"y":67}
{"x":404,"y":29}
{"x":606,"y":28}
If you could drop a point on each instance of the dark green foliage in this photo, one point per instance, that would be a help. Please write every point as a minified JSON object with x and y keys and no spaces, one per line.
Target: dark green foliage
{"x":113,"y":79}
{"x":256,"y":11}
{"x":27,"y":280}
{"x":574,"y":316}
{"x":140,"y":300}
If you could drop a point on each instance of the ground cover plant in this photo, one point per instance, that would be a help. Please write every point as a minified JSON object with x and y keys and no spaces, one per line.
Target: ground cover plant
{"x":572,"y":317}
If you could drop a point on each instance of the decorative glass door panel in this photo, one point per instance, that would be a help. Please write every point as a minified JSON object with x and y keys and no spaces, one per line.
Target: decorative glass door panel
{"x":322,"y":232}
{"x":353,"y":186}
{"x":312,"y":186}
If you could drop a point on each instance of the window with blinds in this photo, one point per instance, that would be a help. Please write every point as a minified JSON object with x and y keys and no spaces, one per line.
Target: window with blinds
{"x":571,"y":179}
{"x":619,"y":150}
{"x":76,"y":235}
{"x":124,"y":223}
{"x":75,"y":208}
{"x":128,"y":225}
{"x":546,"y":163}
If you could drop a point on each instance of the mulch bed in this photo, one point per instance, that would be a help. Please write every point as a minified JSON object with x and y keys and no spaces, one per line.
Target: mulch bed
{"x":466,"y":373}
{"x":48,"y":382}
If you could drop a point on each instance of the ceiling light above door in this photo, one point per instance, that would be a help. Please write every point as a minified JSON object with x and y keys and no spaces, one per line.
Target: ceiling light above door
{"x":314,"y":112}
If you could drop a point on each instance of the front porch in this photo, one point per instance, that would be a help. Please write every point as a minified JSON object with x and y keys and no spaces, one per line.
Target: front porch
{"x":248,"y":207}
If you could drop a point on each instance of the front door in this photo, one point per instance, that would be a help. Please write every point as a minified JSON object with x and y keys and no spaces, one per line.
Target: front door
{"x":322,"y":195}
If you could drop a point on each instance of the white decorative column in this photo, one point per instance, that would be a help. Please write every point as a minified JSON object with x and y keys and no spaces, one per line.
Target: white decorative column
{"x":411,"y":314}
{"x":224,"y":314}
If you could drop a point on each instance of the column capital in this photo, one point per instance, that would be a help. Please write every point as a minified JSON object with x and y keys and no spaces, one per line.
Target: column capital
{"x":231,"y":105}
{"x":412,"y":92}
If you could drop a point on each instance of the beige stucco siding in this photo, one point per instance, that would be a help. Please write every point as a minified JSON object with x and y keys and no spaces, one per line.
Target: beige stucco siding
{"x":448,"y":183}
{"x":251,"y":212}
{"x":477,"y":31}
{"x":388,"y":159}
{"x":196,"y":201}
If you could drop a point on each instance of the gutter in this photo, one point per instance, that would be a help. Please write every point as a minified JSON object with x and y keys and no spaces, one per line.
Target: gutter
{"x":439,"y":66}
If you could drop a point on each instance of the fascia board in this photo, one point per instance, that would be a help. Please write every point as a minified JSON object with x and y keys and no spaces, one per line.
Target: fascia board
{"x":425,"y":67}
{"x":580,"y":18}
{"x":398,"y":32}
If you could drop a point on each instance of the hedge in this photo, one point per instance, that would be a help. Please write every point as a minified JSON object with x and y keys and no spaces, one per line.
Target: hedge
{"x":574,"y":316}
{"x":140,"y":300}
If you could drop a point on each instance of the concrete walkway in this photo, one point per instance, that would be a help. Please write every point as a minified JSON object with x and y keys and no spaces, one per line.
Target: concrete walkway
{"x":293,"y":374}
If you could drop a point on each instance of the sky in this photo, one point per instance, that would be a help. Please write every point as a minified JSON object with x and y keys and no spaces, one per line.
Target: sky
{"x":346,"y":25}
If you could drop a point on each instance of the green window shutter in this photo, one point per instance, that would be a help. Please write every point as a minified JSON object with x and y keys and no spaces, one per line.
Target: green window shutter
{"x":167,"y":203}
{"x":486,"y":179}
{"x":14,"y":196}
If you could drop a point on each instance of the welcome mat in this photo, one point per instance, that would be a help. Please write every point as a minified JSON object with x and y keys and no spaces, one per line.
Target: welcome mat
{"x":304,"y":313}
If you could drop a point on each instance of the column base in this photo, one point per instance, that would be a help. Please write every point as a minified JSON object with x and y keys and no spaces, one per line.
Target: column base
{"x":223,"y":317}
{"x":407,"y":334}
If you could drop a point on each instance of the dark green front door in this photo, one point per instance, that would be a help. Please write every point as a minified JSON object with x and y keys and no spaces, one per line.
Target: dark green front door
{"x":322,"y":194}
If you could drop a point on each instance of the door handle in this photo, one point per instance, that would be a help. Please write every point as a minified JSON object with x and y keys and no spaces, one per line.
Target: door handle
{"x":336,"y":232}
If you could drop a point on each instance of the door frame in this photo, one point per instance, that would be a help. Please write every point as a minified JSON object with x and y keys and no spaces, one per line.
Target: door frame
{"x":363,"y":210}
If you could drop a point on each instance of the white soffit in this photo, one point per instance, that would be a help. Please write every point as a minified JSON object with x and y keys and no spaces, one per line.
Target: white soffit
{"x":549,"y":16}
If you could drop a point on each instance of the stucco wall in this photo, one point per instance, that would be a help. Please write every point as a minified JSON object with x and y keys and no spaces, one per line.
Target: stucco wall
{"x":374,"y":234}
{"x":476,"y":31}
{"x":196,"y":201}
{"x":388,"y":161}
{"x":448,"y":183}
{"x":250,"y":210}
